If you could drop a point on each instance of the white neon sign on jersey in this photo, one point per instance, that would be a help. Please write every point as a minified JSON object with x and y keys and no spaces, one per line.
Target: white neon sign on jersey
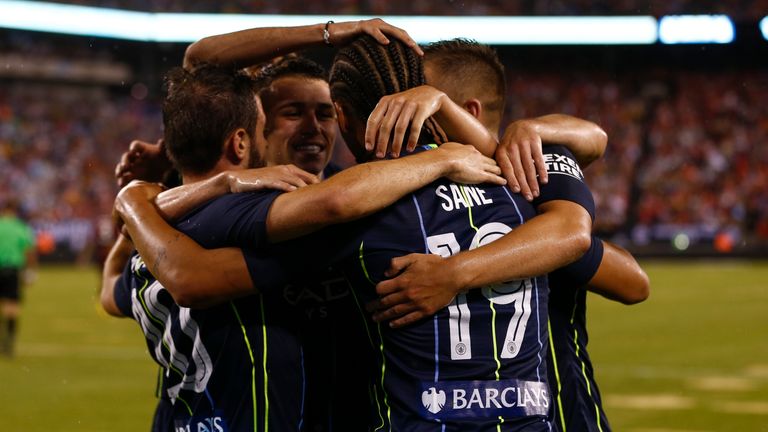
{"x":515,"y":293}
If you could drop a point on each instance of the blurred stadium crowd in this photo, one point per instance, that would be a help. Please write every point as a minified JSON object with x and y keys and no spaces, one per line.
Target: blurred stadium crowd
{"x":58,"y":149}
{"x":684,"y":152}
{"x":740,"y":9}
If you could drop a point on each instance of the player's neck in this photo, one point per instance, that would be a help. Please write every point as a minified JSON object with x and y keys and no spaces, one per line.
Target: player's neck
{"x":221,"y":166}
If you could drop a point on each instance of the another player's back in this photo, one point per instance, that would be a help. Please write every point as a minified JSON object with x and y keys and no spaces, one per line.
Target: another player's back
{"x":237,"y":365}
{"x":478,"y":362}
{"x":577,"y":401}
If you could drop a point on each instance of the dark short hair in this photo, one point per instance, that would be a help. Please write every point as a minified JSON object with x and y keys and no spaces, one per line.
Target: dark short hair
{"x":293,"y":66}
{"x":470,"y":70}
{"x":201,"y":109}
{"x":365,"y":71}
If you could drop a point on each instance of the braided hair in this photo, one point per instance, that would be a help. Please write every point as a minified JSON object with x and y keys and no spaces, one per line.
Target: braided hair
{"x":365,"y":71}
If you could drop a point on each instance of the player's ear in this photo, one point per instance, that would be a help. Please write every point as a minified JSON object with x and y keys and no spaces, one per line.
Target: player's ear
{"x":474,"y":107}
{"x":341,"y":117}
{"x":237,"y":146}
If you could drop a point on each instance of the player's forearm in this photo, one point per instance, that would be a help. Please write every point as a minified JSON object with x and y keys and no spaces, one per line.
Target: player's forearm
{"x":175,"y":203}
{"x":620,"y":277}
{"x":249,"y":47}
{"x":586,"y":140}
{"x":539,"y":246}
{"x":195,"y":277}
{"x":460,"y":126}
{"x":113,"y":266}
{"x":353,"y":193}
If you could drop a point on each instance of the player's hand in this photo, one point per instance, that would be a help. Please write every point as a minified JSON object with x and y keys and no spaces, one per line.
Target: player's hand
{"x":521,"y":159}
{"x":469,"y":166}
{"x":345,"y":32}
{"x":397,"y":114}
{"x":137,"y":192}
{"x":143,"y":161}
{"x":280,"y":177}
{"x":422,"y":287}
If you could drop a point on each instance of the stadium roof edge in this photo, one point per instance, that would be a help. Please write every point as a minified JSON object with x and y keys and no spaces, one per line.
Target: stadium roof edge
{"x":185,"y":28}
{"x":510,"y":30}
{"x":764,"y":27}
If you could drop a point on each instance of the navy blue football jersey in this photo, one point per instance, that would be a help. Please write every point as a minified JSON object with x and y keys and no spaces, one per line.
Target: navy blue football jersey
{"x":335,"y":351}
{"x":480,"y":363}
{"x":578,"y":405}
{"x":233,"y":367}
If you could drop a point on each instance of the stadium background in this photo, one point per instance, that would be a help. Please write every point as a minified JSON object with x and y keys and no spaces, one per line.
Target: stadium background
{"x":684,"y":185}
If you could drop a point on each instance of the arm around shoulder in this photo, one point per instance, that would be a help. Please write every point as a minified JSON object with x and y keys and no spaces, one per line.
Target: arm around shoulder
{"x":194,"y":276}
{"x":113,"y":268}
{"x":364,"y":189}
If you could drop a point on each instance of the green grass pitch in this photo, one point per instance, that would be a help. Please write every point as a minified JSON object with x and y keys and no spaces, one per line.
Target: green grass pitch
{"x":693,"y":358}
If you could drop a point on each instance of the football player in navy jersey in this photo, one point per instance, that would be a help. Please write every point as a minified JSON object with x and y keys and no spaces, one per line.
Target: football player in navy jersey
{"x":614,"y":273}
{"x":196,"y":349}
{"x":239,"y":365}
{"x":611,"y":271}
{"x":479,"y":363}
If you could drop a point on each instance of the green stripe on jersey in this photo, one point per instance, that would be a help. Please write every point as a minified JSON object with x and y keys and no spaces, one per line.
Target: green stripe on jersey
{"x":557,"y":376}
{"x":253,"y":364}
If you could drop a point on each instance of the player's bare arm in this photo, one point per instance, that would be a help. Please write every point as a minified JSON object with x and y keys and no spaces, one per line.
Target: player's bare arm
{"x":180,"y":200}
{"x":619,"y":277}
{"x":367,"y":188}
{"x":167,"y":252}
{"x":253,"y":46}
{"x":520,"y":153}
{"x":113,"y":268}
{"x":186,"y":269}
{"x":407,"y":111}
{"x":559,"y":235}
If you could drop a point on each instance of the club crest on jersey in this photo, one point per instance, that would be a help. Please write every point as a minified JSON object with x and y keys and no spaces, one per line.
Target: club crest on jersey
{"x":433,"y":400}
{"x":561,"y":164}
{"x":454,"y":400}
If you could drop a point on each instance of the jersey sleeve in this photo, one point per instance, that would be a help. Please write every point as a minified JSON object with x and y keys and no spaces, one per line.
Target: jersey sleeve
{"x":266,"y":271}
{"x":122,"y":290}
{"x":566,"y":180}
{"x":581,"y":271}
{"x":237,"y":220}
{"x":316,"y":252}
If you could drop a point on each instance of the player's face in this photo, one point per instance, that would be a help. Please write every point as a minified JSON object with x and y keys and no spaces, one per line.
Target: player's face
{"x":301,"y":123}
{"x":353,"y":132}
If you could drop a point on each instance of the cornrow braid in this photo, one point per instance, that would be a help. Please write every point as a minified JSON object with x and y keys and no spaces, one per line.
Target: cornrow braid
{"x":365,"y":71}
{"x":381,"y":65}
{"x":368,"y":72}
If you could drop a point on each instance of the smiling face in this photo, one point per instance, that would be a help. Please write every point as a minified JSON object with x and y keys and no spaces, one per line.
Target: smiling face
{"x":301,"y":123}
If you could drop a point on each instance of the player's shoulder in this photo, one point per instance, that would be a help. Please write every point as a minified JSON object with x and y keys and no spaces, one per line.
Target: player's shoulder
{"x":566,"y":180}
{"x":558,"y":160}
{"x":229,"y":204}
